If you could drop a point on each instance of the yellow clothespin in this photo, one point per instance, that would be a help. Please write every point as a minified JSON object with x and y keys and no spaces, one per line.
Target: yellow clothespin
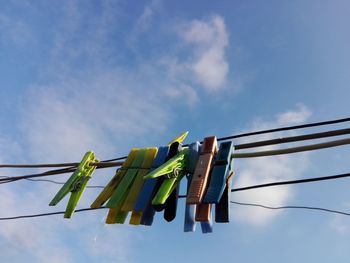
{"x":112,"y":185}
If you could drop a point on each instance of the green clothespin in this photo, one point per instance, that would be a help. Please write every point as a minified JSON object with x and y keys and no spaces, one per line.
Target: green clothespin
{"x":120,"y":193}
{"x":174,"y":170}
{"x":76,"y":184}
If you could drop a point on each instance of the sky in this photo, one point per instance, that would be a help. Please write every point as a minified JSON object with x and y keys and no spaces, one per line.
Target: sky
{"x":111,"y":75}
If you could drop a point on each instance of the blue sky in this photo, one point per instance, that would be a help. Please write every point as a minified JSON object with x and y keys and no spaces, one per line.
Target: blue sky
{"x":111,"y":75}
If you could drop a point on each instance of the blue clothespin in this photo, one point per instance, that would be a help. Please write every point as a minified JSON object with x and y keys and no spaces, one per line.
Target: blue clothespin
{"x":219,"y":190}
{"x":161,"y":183}
{"x":143,"y":205}
{"x":222,"y":168}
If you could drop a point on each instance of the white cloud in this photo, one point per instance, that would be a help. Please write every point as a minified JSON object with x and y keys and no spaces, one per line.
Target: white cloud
{"x":30,"y":236}
{"x":294,"y":116}
{"x":143,"y":23}
{"x":209,"y":40}
{"x":66,"y":118}
{"x":269,"y":169}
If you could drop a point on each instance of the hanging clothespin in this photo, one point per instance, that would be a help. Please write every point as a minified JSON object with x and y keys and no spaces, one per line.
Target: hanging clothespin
{"x":173,"y":170}
{"x":170,"y":205}
{"x":143,"y":202}
{"x":141,"y":163}
{"x":120,"y":192}
{"x":76,"y":184}
{"x":200,"y":180}
{"x":113,"y":183}
{"x":219,"y":188}
{"x":222,"y":169}
{"x":137,"y":184}
{"x":174,"y":149}
{"x":190,"y":210}
{"x":202,"y":172}
{"x":115,"y":215}
{"x":167,"y":189}
{"x":144,"y":211}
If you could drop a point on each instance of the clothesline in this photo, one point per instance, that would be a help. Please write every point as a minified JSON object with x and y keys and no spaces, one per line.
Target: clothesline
{"x":311,"y":136}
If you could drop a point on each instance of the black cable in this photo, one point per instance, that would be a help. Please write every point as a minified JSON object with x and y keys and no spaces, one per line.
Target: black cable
{"x":61,"y":183}
{"x":237,"y":203}
{"x":304,"y":148}
{"x":293,"y":207}
{"x":300,"y":181}
{"x":102,"y":164}
{"x":287,"y":128}
{"x":47,"y":214}
{"x":10,"y":179}
{"x":311,"y":136}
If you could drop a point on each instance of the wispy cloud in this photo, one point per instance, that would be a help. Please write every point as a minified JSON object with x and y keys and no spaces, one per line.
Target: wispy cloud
{"x":28,"y":236}
{"x":209,"y":40}
{"x":146,"y":18}
{"x":89,"y":113}
{"x":269,"y":169}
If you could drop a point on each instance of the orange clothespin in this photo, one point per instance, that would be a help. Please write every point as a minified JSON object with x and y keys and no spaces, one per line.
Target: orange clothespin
{"x":202,"y":172}
{"x":201,"y":178}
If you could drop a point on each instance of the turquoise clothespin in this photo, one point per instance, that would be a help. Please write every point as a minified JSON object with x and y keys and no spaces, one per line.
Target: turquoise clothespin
{"x":174,"y":169}
{"x":76,"y":184}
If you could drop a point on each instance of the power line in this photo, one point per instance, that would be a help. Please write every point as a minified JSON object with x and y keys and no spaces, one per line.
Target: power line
{"x":293,"y":207}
